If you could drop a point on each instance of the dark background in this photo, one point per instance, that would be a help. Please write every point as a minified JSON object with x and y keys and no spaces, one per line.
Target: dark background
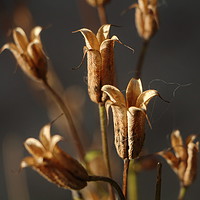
{"x":173,"y":57}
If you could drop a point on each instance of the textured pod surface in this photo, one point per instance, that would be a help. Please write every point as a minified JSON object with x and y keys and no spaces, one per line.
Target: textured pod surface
{"x":136,"y":135}
{"x":120,"y":131}
{"x":94,"y":63}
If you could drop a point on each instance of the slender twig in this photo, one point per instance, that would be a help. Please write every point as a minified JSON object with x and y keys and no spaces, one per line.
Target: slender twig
{"x":65,"y":110}
{"x":158,"y":182}
{"x":105,"y":144}
{"x":125,"y":176}
{"x":108,"y":180}
{"x":132,"y":182}
{"x":140,"y":62}
{"x":182,"y":192}
{"x":102,"y":14}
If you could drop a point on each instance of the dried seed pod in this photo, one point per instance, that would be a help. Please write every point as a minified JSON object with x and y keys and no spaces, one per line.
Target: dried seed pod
{"x":146,"y":18}
{"x":29,"y":54}
{"x":53,"y":163}
{"x":184,"y":159}
{"x":96,"y":3}
{"x":129,"y":116}
{"x":100,"y":60}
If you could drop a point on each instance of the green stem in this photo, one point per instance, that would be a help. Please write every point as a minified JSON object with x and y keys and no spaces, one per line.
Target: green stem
{"x":132,"y":183}
{"x":111,"y":181}
{"x":105,"y":143}
{"x":65,"y":110}
{"x":182,"y":192}
{"x":141,"y":59}
{"x":125,"y":176}
{"x":158,"y":182}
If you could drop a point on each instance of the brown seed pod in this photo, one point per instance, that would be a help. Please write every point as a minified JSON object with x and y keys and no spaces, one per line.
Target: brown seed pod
{"x":29,"y":54}
{"x":129,"y":116}
{"x":53,"y":163}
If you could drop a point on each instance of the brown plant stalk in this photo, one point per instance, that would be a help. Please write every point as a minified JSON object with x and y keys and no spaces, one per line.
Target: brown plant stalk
{"x":105,"y":144}
{"x":63,"y":107}
{"x":125,"y":176}
{"x":141,"y":59}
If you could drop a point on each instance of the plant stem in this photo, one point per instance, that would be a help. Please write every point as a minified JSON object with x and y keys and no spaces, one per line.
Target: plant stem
{"x":158,"y":182}
{"x":111,"y":181}
{"x":125,"y":176}
{"x":102,"y":15}
{"x":182,"y":192}
{"x":132,"y":182}
{"x":65,"y":109}
{"x":141,"y":59}
{"x":105,"y":144}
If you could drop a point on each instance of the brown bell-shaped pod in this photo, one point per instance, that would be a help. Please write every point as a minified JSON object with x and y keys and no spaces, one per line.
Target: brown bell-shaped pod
{"x":53,"y":163}
{"x":96,"y":3}
{"x":146,"y":18}
{"x":29,"y":54}
{"x":136,"y":124}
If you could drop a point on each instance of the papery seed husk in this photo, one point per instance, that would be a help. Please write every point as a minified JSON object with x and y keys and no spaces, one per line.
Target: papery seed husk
{"x":136,"y":136}
{"x":59,"y":176}
{"x":108,"y":70}
{"x":69,"y":163}
{"x":120,"y":130}
{"x":94,"y":63}
{"x":191,"y":170}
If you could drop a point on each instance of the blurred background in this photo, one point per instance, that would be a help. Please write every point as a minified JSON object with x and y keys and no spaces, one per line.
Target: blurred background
{"x":172,"y":67}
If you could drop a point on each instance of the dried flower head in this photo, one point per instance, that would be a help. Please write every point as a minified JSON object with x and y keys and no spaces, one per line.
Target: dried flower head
{"x":96,"y":3}
{"x":129,"y":116}
{"x":146,"y":18}
{"x":100,"y":60}
{"x":53,"y":163}
{"x":29,"y":54}
{"x":184,"y":159}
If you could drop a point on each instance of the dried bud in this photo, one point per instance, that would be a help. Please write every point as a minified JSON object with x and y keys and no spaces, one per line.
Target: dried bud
{"x":100,"y":60}
{"x":29,"y":54}
{"x":96,"y":3}
{"x":53,"y":163}
{"x":184,"y":159}
{"x":146,"y":18}
{"x":129,"y":116}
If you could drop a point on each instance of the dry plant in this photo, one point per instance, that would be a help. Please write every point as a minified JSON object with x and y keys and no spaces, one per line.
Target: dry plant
{"x":129,"y":115}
